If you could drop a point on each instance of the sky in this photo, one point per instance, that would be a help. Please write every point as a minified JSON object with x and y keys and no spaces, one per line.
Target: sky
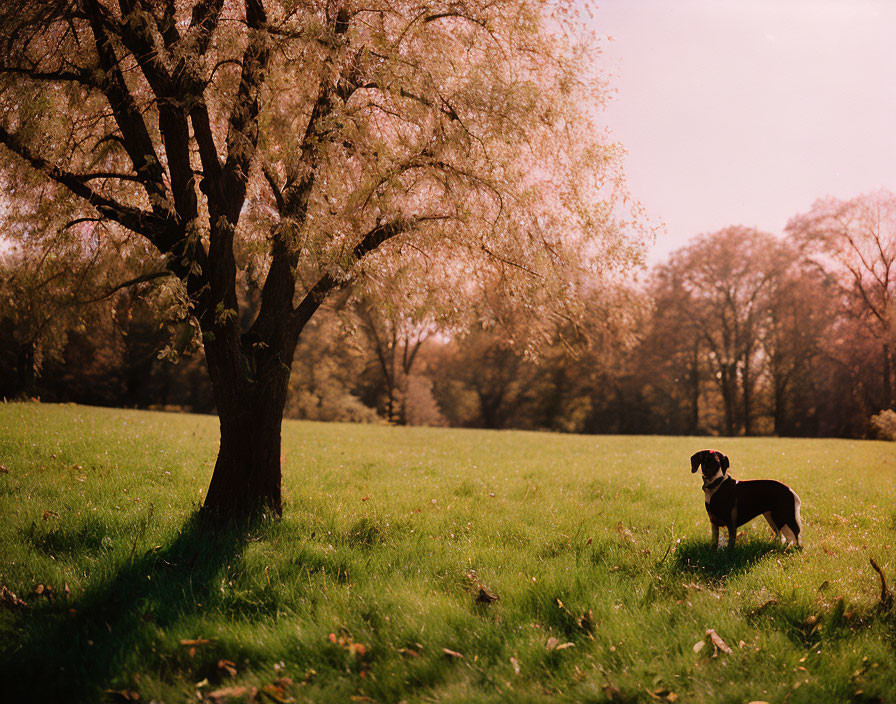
{"x":744,"y":112}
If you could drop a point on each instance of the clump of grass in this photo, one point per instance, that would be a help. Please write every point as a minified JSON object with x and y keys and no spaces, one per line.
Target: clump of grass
{"x":596,"y":549}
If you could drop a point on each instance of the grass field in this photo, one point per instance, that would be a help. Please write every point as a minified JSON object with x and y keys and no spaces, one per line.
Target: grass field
{"x":373,"y":586}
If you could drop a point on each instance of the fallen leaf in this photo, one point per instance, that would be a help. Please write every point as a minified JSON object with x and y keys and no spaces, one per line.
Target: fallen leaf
{"x":228,"y":666}
{"x":234,"y":692}
{"x":552,"y":643}
{"x":516,"y":665}
{"x":50,"y":514}
{"x":358,"y":649}
{"x":698,"y":646}
{"x":9,"y":598}
{"x":276,"y":692}
{"x":564,"y":646}
{"x":610,"y":691}
{"x":452,"y":653}
{"x":3,"y":469}
{"x":625,"y":533}
{"x":586,"y":621}
{"x":409,"y":652}
{"x":485,"y":596}
{"x":717,"y":641}
{"x":195,"y":641}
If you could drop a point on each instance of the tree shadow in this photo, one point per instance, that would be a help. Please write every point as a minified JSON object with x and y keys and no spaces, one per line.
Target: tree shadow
{"x":71,"y":649}
{"x":700,"y":558}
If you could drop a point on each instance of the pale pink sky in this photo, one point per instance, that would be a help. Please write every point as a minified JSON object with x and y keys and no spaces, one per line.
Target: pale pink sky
{"x":743,"y":112}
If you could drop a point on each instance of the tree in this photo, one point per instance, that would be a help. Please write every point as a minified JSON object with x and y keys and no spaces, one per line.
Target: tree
{"x":670,"y":354}
{"x":313,"y":143}
{"x":393,"y":329}
{"x":854,"y":241}
{"x":799,"y":317}
{"x":724,"y":281}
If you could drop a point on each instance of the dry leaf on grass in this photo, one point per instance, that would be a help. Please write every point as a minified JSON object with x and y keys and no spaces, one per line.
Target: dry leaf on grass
{"x":484,"y":596}
{"x":451,"y":653}
{"x":233,"y":693}
{"x":195,"y":641}
{"x":717,"y":642}
{"x":8,"y":598}
{"x":229,"y":666}
{"x":555,"y":644}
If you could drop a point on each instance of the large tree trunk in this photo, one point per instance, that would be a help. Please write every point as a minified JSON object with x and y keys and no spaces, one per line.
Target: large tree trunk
{"x":246,"y":480}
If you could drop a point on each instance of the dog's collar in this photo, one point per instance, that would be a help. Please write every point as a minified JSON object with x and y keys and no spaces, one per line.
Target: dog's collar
{"x":717,"y":482}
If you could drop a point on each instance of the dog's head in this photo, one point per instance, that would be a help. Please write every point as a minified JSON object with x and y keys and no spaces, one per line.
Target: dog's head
{"x":710,"y":461}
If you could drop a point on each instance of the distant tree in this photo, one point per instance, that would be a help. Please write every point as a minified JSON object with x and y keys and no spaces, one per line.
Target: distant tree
{"x":392,"y":329}
{"x":325,"y":383}
{"x":669,"y":357}
{"x":800,"y":317}
{"x":855,"y":242}
{"x":315,"y":143}
{"x":728,"y":277}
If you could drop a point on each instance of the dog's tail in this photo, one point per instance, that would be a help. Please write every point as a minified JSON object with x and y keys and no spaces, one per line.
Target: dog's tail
{"x":798,"y":527}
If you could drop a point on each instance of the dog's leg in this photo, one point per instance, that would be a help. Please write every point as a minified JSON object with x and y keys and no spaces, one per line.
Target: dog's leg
{"x":732,"y":528}
{"x":715,"y":535}
{"x":776,"y":529}
{"x":789,"y":534}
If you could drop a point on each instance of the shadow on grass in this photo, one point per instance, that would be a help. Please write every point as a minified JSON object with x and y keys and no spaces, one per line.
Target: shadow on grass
{"x":71,"y":649}
{"x":699,"y":557}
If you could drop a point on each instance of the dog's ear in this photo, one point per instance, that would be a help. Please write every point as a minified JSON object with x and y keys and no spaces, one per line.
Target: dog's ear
{"x":722,"y":460}
{"x":696,"y":458}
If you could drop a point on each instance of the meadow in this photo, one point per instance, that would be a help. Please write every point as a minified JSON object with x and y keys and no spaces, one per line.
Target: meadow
{"x":433,"y":565}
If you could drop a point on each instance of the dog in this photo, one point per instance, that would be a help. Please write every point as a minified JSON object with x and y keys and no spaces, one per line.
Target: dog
{"x":731,"y":503}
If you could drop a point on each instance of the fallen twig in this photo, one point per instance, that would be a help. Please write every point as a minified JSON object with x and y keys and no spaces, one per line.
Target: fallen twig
{"x":886,"y":598}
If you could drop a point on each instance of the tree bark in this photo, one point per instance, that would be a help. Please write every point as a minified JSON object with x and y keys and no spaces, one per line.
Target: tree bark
{"x":246,"y":480}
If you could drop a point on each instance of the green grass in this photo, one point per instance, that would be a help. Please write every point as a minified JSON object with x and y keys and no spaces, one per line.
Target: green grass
{"x":597,"y":542}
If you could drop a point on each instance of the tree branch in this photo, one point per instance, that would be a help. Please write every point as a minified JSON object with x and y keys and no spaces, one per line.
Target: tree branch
{"x":142,"y":222}
{"x":136,"y":140}
{"x":328,"y":283}
{"x":125,"y":284}
{"x":82,"y":77}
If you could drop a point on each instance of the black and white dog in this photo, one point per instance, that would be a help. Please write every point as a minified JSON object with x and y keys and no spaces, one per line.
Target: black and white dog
{"x":731,"y":503}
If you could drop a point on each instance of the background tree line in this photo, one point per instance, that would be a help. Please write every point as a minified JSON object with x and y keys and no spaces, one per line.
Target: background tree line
{"x":738,"y":332}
